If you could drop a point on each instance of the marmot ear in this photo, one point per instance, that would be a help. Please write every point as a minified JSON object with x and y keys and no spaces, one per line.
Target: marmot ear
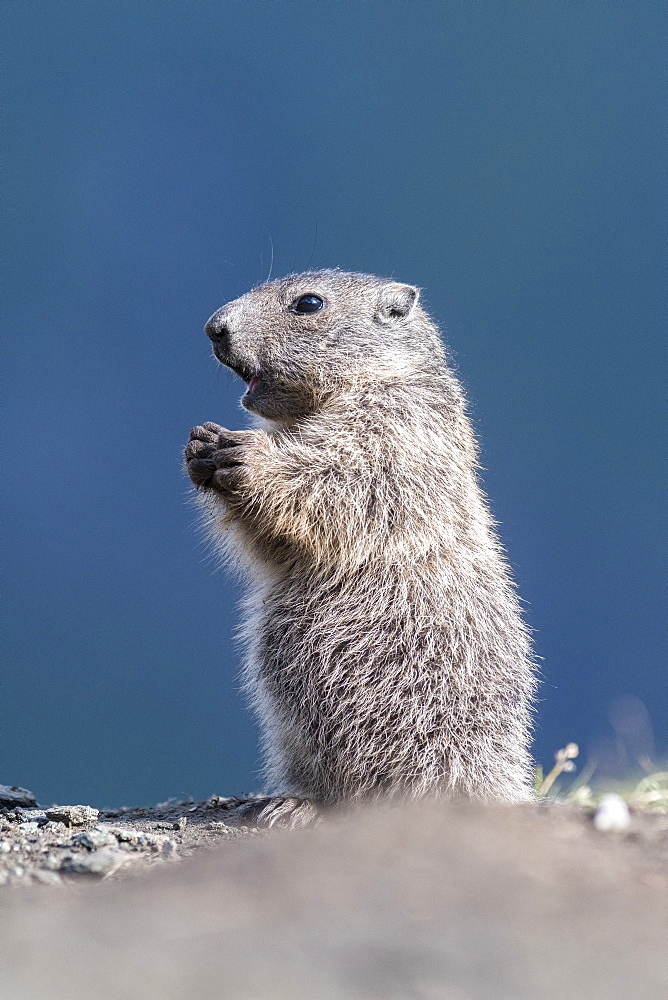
{"x":396,"y":301}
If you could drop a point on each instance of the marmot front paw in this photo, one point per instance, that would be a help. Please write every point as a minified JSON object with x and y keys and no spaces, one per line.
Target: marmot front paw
{"x":214,"y":455}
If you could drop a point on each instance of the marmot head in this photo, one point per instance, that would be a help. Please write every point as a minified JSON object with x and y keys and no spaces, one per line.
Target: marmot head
{"x":301,"y":341}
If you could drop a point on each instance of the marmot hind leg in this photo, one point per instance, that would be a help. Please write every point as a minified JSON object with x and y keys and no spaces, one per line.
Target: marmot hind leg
{"x":281,"y":811}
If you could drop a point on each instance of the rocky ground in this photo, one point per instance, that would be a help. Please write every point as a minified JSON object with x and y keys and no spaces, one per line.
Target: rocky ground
{"x":431,"y":901}
{"x":54,"y":844}
{"x":77,"y":843}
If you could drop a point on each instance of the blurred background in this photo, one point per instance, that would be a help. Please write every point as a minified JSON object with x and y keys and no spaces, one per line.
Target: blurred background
{"x":506,"y":157}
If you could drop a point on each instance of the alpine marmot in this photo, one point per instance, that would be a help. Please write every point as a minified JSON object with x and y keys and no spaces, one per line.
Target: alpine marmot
{"x":385,"y":648}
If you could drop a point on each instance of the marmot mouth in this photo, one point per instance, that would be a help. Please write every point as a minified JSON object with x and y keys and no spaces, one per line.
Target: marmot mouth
{"x":239,"y":369}
{"x":252,"y":379}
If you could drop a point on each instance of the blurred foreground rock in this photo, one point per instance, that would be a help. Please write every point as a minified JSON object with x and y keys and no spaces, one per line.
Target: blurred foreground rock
{"x":431,"y":901}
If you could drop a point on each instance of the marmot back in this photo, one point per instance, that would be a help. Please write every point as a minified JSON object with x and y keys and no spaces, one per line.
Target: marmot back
{"x":385,"y":649}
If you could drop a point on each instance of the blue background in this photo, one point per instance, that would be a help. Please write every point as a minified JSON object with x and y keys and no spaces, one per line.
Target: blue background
{"x":507,"y":157}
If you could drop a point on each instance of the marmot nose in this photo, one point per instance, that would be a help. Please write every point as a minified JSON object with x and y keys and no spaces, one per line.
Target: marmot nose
{"x":216,"y":329}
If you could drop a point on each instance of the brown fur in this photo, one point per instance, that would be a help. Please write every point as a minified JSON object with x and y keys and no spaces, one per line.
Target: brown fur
{"x":386,"y":653}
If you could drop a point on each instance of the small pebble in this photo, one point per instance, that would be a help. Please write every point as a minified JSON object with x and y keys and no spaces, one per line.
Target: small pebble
{"x":29,"y":827}
{"x":141,"y":838}
{"x":96,"y":837}
{"x":73,"y":815}
{"x":612,"y":814}
{"x":124,"y":834}
{"x":100,"y":862}
{"x":157,"y":842}
{"x":33,"y":816}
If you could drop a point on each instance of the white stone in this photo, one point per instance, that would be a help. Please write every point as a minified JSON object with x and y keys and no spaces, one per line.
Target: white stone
{"x":612,"y":815}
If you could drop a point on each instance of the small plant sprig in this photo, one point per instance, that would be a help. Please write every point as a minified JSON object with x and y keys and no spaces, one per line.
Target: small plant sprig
{"x":563,"y":763}
{"x":651,"y":793}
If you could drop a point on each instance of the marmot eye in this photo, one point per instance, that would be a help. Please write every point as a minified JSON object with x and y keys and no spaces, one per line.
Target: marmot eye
{"x":308,"y":304}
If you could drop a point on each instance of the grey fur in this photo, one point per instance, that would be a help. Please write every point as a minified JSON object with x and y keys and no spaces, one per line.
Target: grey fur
{"x":386,"y":652}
